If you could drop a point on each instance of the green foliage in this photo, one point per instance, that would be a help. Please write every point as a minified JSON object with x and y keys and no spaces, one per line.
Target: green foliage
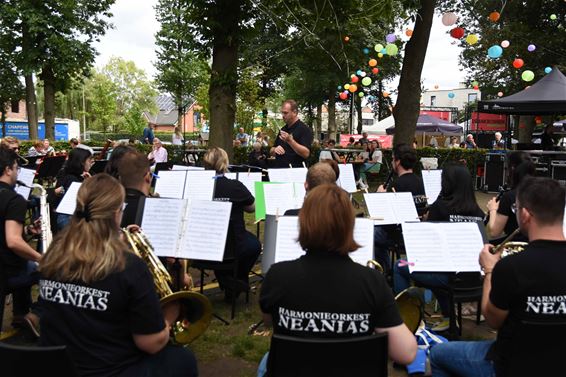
{"x":248,"y":100}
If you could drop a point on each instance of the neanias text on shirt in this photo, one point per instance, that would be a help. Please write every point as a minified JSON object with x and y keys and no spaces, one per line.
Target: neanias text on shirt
{"x":546,"y":304}
{"x":75,"y":295}
{"x":338,"y":323}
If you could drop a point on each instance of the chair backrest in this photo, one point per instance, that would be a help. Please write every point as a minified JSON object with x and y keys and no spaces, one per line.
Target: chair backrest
{"x":361,"y":356}
{"x":25,"y":361}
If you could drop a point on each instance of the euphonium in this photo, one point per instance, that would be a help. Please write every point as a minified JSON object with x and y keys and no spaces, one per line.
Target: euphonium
{"x":195,"y":309}
{"x":44,"y":213}
{"x":510,"y":247}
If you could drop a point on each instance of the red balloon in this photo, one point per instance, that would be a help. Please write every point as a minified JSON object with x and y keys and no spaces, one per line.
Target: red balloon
{"x":343,"y":96}
{"x":476,"y":87}
{"x":375,"y":70}
{"x":457,"y":32}
{"x":355,"y":79}
{"x":518,"y":63}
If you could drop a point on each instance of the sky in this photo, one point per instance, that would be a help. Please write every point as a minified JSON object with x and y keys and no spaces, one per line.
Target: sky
{"x":132,"y":38}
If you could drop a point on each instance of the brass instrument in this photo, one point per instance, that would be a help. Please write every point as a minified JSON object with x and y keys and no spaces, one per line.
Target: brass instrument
{"x":375,"y":265}
{"x":508,"y":247}
{"x":195,"y":309}
{"x":45,"y":215}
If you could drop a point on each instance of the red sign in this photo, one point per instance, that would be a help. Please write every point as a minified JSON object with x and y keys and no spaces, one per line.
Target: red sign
{"x":444,"y":115}
{"x":385,"y":141}
{"x":488,"y":122}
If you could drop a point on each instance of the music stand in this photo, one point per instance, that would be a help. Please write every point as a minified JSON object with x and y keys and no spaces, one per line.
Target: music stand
{"x":50,"y":167}
{"x":98,"y":167}
{"x":244,"y":169}
{"x":160,"y":166}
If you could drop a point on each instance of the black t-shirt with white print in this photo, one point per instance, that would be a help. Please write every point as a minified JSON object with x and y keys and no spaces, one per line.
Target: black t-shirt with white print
{"x":96,"y":321}
{"x":325,"y":295}
{"x":439,"y":211}
{"x":12,"y":207}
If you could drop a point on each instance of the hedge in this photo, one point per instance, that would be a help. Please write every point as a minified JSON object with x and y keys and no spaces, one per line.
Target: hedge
{"x":163,"y":136}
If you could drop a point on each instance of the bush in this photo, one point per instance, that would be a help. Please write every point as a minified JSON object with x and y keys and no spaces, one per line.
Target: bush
{"x":163,"y":136}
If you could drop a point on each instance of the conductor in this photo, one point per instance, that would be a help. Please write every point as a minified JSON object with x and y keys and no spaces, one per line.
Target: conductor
{"x":292,"y":145}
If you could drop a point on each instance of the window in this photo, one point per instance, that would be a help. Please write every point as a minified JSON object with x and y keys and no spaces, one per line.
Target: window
{"x":432,"y":101}
{"x":472,"y":97}
{"x":15,"y":106}
{"x":367,"y":122}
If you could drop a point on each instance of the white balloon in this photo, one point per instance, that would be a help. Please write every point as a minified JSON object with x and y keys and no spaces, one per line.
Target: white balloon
{"x":449,"y":19}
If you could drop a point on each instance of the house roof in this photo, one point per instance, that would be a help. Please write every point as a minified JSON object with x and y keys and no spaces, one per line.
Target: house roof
{"x":168,"y":112}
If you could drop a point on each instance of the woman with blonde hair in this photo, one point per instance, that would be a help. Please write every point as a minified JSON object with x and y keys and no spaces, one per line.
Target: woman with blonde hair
{"x":98,"y":298}
{"x":177,"y":138}
{"x":244,"y":246}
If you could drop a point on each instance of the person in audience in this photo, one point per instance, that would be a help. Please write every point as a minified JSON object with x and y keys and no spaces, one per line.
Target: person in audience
{"x":470,"y":142}
{"x":364,"y":138}
{"x":329,"y":155}
{"x":374,"y":157}
{"x":17,"y":258}
{"x":246,"y":245}
{"x":321,"y":173}
{"x":498,"y":142}
{"x":501,"y":216}
{"x":456,"y":203}
{"x":158,"y":153}
{"x":37,"y":149}
{"x":351,"y":141}
{"x":257,"y":156}
{"x":99,"y":299}
{"x":454,"y":143}
{"x":48,"y":149}
{"x":74,"y":142}
{"x":318,"y":286}
{"x":546,"y":139}
{"x":243,"y":137}
{"x":523,"y":297}
{"x":177,"y":138}
{"x":148,"y":135}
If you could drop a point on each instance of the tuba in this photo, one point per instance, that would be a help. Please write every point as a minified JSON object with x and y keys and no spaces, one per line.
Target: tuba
{"x":195,"y":309}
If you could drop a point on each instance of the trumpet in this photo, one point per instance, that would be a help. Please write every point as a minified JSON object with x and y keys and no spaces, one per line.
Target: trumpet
{"x":508,"y":247}
{"x":196,"y":310}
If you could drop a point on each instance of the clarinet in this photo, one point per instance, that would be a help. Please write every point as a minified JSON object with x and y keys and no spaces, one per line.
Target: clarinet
{"x":502,"y":190}
{"x":389,"y":180}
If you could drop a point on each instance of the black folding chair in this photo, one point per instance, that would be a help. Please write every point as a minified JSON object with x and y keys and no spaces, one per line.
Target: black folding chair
{"x":360,"y":357}
{"x":25,"y":361}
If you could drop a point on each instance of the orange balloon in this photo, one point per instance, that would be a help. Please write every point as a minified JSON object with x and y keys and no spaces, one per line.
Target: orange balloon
{"x":409,"y":32}
{"x":343,"y":96}
{"x":375,"y":70}
{"x":372,"y":63}
{"x":518,"y":63}
{"x":494,"y":16}
{"x":346,"y":39}
{"x":353,"y":88}
{"x":385,"y":94}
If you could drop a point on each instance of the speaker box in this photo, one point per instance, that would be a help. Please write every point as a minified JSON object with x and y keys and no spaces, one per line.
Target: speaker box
{"x":494,"y":172}
{"x":558,"y":171}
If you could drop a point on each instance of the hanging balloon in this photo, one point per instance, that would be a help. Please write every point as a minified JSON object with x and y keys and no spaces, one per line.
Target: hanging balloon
{"x":472,"y":39}
{"x":457,"y":32}
{"x":553,"y":17}
{"x":409,"y":32}
{"x":494,"y":51}
{"x":375,"y":70}
{"x":451,"y":95}
{"x":372,"y":62}
{"x":391,"y":49}
{"x":475,"y":83}
{"x":531,"y":48}
{"x":476,"y":87}
{"x":366,"y":81}
{"x":499,"y":94}
{"x":366,"y":51}
{"x":380,"y":55}
{"x":346,"y":39}
{"x":528,"y":75}
{"x":494,"y":16}
{"x":378,"y":47}
{"x":449,"y":19}
{"x":383,"y":51}
{"x":359,"y":72}
{"x":353,"y":88}
{"x":361,"y":94}
{"x":518,"y":63}
{"x":538,"y":119}
{"x":343,"y":95}
{"x":385,"y":94}
{"x":505,"y":43}
{"x":339,"y":87}
{"x":355,"y":79}
{"x":390,"y":38}
{"x":547,"y":70}
{"x":347,"y":86}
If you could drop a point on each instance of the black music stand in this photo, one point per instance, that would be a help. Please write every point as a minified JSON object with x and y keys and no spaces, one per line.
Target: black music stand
{"x":244,"y":169}
{"x":50,"y":167}
{"x":98,"y":167}
{"x":32,"y":161}
{"x":160,"y":166}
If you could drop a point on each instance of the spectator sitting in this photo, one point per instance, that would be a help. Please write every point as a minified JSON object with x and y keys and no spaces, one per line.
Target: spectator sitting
{"x":74,"y":142}
{"x":37,"y":149}
{"x":329,"y":155}
{"x":159,"y":153}
{"x":352,"y":141}
{"x":257,"y":156}
{"x":48,"y":149}
{"x":177,"y":138}
{"x":242,"y":137}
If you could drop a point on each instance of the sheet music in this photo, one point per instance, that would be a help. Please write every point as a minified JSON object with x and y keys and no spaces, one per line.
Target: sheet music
{"x":287,"y":247}
{"x":347,"y":179}
{"x":185,"y":168}
{"x":432,"y":184}
{"x":171,"y":183}
{"x":199,"y":185}
{"x":231,"y":175}
{"x":69,"y":202}
{"x":363,"y":235}
{"x":391,"y":207}
{"x":249,"y":180}
{"x":26,"y":176}
{"x":442,"y":247}
{"x":279,"y":197}
{"x":564,"y":222}
{"x":288,"y":175}
{"x":206,"y":230}
{"x":162,"y":224}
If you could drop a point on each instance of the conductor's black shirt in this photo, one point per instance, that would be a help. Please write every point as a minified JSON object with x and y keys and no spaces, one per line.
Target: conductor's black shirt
{"x":302,"y":135}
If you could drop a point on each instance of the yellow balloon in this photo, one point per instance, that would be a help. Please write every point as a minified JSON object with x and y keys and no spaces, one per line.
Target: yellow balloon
{"x":346,"y":86}
{"x":472,"y":39}
{"x":380,"y":55}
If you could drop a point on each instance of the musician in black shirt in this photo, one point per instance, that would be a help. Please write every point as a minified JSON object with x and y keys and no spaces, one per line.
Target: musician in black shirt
{"x":524,"y":297}
{"x":292,"y":145}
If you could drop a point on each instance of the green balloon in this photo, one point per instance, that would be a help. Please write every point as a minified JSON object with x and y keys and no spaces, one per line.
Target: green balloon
{"x":378,"y":47}
{"x":553,"y":17}
{"x":391,"y":49}
{"x":361,"y":94}
{"x":528,"y":75}
{"x":366,"y":81}
{"x":475,"y":83}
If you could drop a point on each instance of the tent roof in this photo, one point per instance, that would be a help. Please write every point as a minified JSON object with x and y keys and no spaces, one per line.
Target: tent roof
{"x":379,"y":127}
{"x":546,"y":96}
{"x":433,"y":125}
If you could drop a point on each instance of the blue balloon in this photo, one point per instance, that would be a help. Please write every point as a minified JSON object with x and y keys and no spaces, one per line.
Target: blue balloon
{"x":547,"y":70}
{"x":339,"y":87}
{"x":451,"y":95}
{"x":383,"y":51}
{"x":494,"y":51}
{"x":366,"y":51}
{"x":359,"y":72}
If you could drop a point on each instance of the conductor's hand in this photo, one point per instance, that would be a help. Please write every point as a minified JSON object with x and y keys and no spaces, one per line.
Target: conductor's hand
{"x":492,"y":205}
{"x":171,"y":312}
{"x":487,"y":259}
{"x":279,"y":150}
{"x":285,"y":136}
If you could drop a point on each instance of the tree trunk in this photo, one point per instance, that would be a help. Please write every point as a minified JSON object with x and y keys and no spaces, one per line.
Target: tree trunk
{"x":406,"y":111}
{"x":49,"y":98}
{"x":358,"y":103}
{"x":318,"y":123}
{"x":331,"y":114}
{"x":31,"y":107}
{"x":223,"y":76}
{"x":4,"y":109}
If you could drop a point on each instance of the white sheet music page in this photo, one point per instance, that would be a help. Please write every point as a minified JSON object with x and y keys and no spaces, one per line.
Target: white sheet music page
{"x":69,"y":202}
{"x":231,"y":175}
{"x":380,"y":207}
{"x":437,"y":247}
{"x":183,"y":167}
{"x":347,"y":180}
{"x":363,"y":235}
{"x":404,"y":207}
{"x":199,"y":185}
{"x":162,"y":224}
{"x":204,"y":235}
{"x":286,"y":246}
{"x":432,"y":184}
{"x":26,"y":176}
{"x":278,"y":198}
{"x":171,"y":183}
{"x":249,"y":180}
{"x":288,"y":175}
